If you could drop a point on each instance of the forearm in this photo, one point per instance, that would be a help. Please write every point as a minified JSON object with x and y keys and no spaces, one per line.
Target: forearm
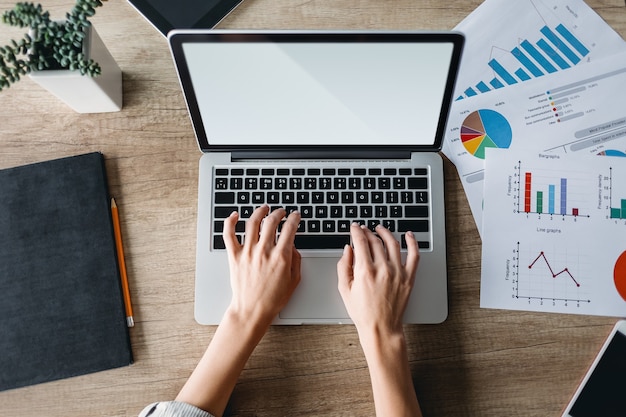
{"x":392,"y":384}
{"x":210,"y":385}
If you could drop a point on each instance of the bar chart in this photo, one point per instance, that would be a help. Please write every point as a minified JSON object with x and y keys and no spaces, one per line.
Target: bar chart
{"x":617,"y":205}
{"x":555,"y":49}
{"x":540,"y":192}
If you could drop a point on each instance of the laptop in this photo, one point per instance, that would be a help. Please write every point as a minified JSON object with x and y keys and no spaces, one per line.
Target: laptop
{"x":344,"y":126}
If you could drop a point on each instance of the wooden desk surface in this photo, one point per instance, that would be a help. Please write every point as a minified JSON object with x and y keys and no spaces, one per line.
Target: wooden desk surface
{"x":478,"y":363}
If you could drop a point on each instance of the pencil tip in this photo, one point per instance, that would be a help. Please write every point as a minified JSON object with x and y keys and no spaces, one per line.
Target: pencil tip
{"x":113,"y":205}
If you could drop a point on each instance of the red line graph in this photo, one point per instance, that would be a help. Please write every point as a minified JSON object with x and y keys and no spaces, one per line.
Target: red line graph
{"x":554,"y":275}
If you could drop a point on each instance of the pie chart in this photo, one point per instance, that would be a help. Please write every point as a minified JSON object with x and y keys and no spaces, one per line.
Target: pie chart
{"x":484,"y":129}
{"x":619,"y":275}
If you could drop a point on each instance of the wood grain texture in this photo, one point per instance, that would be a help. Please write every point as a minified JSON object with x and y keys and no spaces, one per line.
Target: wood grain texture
{"x":478,"y":363}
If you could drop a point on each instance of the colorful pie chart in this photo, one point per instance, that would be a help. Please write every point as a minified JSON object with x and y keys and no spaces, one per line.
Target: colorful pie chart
{"x":619,"y":275}
{"x":484,"y":129}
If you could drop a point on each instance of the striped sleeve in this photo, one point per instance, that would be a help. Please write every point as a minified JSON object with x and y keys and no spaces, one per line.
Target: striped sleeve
{"x":173,"y":409}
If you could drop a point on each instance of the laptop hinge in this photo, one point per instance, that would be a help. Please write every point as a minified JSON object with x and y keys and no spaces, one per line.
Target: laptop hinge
{"x":325,"y":155}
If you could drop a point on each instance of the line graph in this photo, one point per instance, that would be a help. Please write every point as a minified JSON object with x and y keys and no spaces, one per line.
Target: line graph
{"x":554,"y":275}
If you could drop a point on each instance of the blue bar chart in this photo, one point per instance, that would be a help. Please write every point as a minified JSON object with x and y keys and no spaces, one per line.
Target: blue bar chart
{"x":553,"y":50}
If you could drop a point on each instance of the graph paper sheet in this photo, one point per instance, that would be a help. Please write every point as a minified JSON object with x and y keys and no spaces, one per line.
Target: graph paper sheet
{"x":554,"y":233}
{"x":511,"y":42}
{"x":579,"y":111}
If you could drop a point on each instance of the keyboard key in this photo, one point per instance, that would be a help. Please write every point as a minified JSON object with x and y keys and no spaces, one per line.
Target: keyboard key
{"x":420,"y":171}
{"x":224,"y":198}
{"x":336,"y":212}
{"x":384,"y":183}
{"x":243,"y":198}
{"x":347,"y":197}
{"x":267,"y":171}
{"x":313,"y":226}
{"x":391,"y":197}
{"x":416,"y":211}
{"x":221,"y":183}
{"x":236,"y":183}
{"x":390,"y":171}
{"x":280,"y":183}
{"x":221,"y":171}
{"x":329,"y":171}
{"x":340,"y":183}
{"x":273,"y":197}
{"x":296,"y":171}
{"x":413,"y":226}
{"x":366,"y":212}
{"x":390,"y":225}
{"x":295,"y":183}
{"x":380,"y":211}
{"x":420,"y":244}
{"x":306,"y":212}
{"x":405,"y":171}
{"x":237,"y":172}
{"x":399,"y":183}
{"x":258,"y":198}
{"x":325,"y":241}
{"x":321,"y":212}
{"x":222,"y":212}
{"x":302,"y":197}
{"x":343,"y":226}
{"x":343,"y":171}
{"x":418,"y":183}
{"x":246,"y":212}
{"x":328,"y":226}
{"x":251,"y":183}
{"x":421,"y":196}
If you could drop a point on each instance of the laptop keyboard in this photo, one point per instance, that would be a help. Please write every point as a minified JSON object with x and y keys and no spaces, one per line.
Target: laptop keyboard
{"x":329,"y":200}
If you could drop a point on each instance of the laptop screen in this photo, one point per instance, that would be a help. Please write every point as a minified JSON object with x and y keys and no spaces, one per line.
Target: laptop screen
{"x":317,"y":89}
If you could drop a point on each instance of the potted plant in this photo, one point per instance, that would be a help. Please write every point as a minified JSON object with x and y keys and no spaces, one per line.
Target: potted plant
{"x":68,"y":58}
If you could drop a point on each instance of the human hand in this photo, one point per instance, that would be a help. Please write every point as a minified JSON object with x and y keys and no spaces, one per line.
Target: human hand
{"x":374,"y":283}
{"x":264,"y":271}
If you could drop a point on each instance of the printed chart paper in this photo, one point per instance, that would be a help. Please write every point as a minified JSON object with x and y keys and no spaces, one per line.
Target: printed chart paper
{"x":510,"y":42}
{"x":579,"y":111}
{"x":554,"y":233}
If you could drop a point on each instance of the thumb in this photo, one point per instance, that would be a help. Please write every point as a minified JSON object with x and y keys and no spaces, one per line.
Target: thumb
{"x":345,"y":272}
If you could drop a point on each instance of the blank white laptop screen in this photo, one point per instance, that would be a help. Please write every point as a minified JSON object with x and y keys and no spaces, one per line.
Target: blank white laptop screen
{"x":263,"y":93}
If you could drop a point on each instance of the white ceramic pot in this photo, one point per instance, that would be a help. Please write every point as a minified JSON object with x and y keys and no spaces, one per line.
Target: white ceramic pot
{"x":85,"y":94}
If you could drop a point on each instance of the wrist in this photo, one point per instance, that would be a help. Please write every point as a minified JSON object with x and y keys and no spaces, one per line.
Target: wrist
{"x":377,"y":343}
{"x":249,"y":321}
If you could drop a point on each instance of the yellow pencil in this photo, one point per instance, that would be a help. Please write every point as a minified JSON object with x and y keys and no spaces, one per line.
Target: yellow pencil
{"x":120,"y":258}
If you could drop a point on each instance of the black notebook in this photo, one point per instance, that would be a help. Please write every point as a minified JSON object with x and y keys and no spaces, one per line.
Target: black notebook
{"x":61,"y":304}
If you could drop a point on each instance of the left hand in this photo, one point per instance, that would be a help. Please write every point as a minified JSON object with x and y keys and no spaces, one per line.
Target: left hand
{"x":264,"y":271}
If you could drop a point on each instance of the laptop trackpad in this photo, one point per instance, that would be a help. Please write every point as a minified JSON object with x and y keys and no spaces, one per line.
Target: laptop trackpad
{"x":317,"y":296}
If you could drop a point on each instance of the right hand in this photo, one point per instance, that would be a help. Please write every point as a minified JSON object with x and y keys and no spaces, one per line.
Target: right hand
{"x":374,"y":283}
